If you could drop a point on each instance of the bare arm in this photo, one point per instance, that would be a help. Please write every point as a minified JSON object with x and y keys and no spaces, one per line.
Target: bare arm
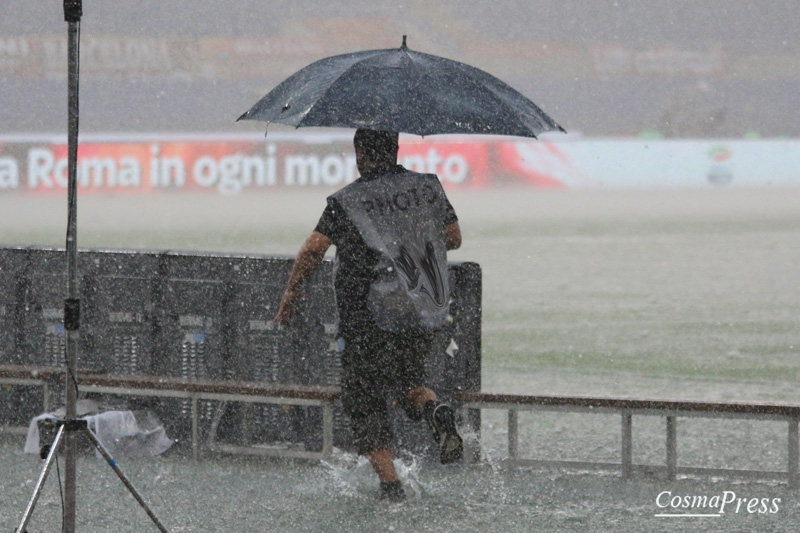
{"x":452,"y":236}
{"x":307,"y":261}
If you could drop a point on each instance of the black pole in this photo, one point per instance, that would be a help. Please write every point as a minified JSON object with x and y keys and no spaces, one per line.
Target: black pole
{"x":73,"y":10}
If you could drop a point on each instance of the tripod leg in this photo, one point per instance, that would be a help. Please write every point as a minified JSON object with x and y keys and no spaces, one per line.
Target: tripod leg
{"x":125,"y":481}
{"x":37,"y":491}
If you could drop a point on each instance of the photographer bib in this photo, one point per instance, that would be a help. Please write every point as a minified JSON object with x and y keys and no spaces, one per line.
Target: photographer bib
{"x":401,"y":218}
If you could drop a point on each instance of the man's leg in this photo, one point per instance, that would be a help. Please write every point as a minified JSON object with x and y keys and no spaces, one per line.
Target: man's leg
{"x":373,"y":439}
{"x":383,"y":463}
{"x":422,"y":402}
{"x":364,"y":401}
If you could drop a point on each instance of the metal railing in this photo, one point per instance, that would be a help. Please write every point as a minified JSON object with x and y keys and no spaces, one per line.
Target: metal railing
{"x":627,"y":408}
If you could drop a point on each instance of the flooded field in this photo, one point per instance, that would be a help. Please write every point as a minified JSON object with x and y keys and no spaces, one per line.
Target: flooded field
{"x":660,"y":294}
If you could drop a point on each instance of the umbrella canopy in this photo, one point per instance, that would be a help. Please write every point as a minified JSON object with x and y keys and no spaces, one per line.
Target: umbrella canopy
{"x":401,"y":90}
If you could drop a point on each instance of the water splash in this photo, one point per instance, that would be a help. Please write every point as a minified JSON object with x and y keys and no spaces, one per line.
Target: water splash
{"x":353,"y":475}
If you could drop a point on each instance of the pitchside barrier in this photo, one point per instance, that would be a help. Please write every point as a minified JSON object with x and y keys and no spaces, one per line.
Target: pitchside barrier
{"x":191,"y":336}
{"x":472,"y":402}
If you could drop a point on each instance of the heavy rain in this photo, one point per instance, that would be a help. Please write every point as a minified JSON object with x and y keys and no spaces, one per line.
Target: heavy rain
{"x":633,"y":279}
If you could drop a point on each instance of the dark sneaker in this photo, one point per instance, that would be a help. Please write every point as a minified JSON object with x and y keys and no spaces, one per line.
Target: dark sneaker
{"x":443,"y":422}
{"x":392,"y":491}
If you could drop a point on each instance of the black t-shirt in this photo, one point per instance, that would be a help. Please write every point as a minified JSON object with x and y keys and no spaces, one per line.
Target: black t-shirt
{"x":355,"y":261}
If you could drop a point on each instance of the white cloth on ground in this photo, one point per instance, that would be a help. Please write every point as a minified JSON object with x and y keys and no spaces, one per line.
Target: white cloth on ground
{"x":122,"y":433}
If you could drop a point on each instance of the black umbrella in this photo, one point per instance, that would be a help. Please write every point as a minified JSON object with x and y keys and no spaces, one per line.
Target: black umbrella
{"x":401,"y":90}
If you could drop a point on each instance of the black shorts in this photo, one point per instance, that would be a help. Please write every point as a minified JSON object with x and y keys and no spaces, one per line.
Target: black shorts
{"x":378,"y":367}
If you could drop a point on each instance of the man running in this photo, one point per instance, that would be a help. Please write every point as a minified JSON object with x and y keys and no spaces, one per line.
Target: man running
{"x":392,"y":229}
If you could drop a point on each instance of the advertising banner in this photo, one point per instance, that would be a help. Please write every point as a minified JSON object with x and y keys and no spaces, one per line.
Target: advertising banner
{"x":227,"y":165}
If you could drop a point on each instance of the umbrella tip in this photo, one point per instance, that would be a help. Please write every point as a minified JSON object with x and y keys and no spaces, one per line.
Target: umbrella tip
{"x":403,"y":46}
